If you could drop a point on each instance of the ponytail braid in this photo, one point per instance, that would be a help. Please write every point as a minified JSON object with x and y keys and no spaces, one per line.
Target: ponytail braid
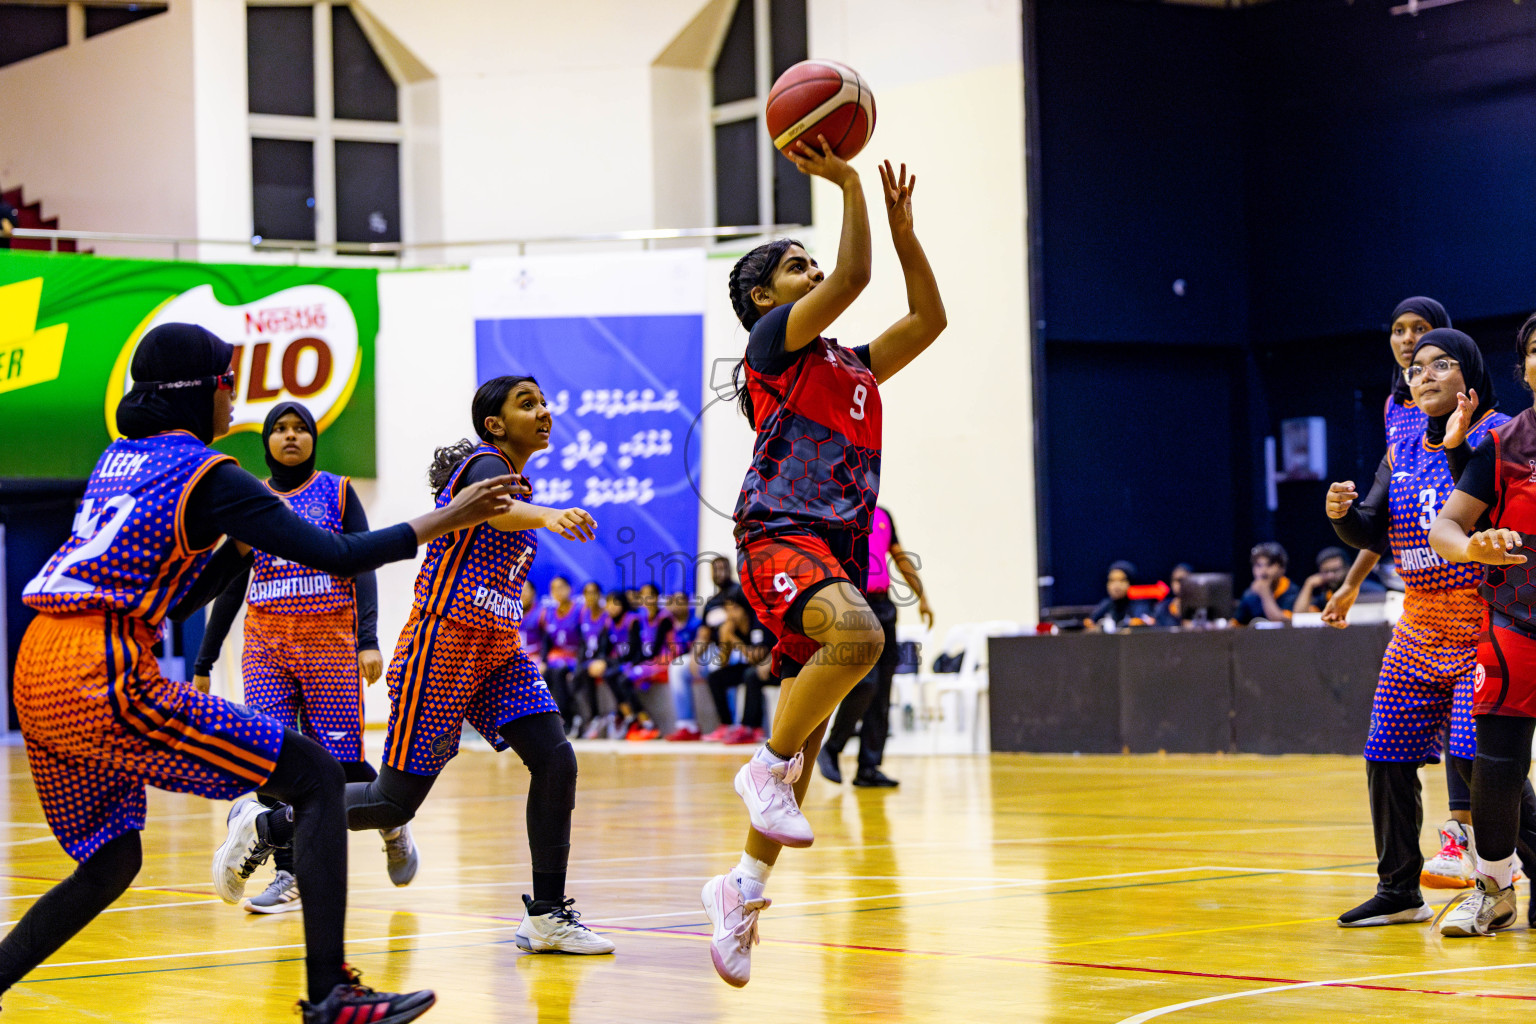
{"x":752,"y":270}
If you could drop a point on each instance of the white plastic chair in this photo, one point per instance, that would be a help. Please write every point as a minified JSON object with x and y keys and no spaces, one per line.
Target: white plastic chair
{"x":971,"y":684}
{"x":906,"y":687}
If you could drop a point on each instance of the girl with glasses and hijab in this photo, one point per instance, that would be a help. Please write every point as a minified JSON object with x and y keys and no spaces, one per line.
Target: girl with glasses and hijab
{"x":1428,"y":673}
{"x":310,"y":638}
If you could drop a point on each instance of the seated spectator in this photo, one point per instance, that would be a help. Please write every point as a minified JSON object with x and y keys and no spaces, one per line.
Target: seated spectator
{"x":1317,"y":589}
{"x":1168,"y":613}
{"x":531,"y":628}
{"x":1271,"y":596}
{"x":684,"y":668}
{"x":1119,"y":610}
{"x":746,"y":649}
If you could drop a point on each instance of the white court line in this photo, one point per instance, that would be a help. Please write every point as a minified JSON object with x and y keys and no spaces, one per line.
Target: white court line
{"x":28,"y":842}
{"x":1039,"y":840}
{"x":1165,"y":1010}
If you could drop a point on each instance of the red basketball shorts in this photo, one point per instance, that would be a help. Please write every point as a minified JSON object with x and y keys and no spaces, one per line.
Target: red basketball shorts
{"x":1506,"y":676}
{"x":780,"y":573}
{"x":101,"y":723}
{"x":301,"y":669}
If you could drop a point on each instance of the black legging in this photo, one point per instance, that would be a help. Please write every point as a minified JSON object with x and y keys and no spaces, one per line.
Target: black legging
{"x":559,"y":679}
{"x":355,"y":771}
{"x":1503,"y":805}
{"x":306,"y":777}
{"x":393,"y":798}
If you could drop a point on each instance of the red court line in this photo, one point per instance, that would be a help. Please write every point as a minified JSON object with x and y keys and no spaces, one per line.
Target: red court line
{"x":1102,"y":967}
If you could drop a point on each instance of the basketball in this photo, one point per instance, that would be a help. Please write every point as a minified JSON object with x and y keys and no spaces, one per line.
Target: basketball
{"x":821,"y":97}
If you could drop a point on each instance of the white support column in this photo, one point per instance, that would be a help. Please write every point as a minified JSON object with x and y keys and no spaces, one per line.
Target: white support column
{"x":325,"y":145}
{"x":762,"y":34}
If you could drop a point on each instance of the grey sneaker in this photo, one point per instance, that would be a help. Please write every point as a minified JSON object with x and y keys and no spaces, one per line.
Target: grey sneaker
{"x":1483,"y":911}
{"x":241,"y":853}
{"x":401,"y":854}
{"x":278,"y":898}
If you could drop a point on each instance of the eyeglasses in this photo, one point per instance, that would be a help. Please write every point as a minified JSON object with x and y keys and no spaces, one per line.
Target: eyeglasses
{"x":1441,"y":366}
{"x":226,"y":380}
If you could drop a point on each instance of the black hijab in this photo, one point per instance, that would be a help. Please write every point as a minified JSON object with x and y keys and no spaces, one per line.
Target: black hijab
{"x":1435,"y":315}
{"x":176,"y":370}
{"x":1474,"y":373}
{"x":288,"y":478}
{"x":1121,"y":606}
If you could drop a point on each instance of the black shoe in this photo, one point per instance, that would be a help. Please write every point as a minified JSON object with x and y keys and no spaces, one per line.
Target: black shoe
{"x":827,"y":762}
{"x":1380,"y":910}
{"x":355,"y":1002}
{"x":874,"y":777}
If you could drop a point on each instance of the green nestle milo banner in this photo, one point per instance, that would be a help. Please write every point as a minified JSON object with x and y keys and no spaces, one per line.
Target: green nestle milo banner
{"x":69,"y":325}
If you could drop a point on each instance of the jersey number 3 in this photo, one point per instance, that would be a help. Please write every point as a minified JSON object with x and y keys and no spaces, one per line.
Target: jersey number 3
{"x":1427,"y":509}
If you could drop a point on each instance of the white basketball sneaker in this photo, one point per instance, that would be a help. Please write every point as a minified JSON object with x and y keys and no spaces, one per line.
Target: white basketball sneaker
{"x":241,"y":853}
{"x":766,"y":786}
{"x":1452,"y":867}
{"x":1483,"y":911}
{"x":280,"y":897}
{"x":735,"y":921}
{"x":555,"y":928}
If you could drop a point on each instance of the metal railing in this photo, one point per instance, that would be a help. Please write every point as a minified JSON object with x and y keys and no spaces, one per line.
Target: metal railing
{"x":398,"y":250}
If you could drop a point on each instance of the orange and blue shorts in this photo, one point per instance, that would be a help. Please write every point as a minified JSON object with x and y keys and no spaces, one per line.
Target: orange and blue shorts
{"x":301,"y":669}
{"x":1427,"y":679}
{"x":445,"y":673}
{"x":780,"y":573}
{"x":101,"y":724}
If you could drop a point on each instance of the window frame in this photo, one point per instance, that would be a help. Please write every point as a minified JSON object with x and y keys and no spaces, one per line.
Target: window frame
{"x":753,"y":109}
{"x":325,"y":129}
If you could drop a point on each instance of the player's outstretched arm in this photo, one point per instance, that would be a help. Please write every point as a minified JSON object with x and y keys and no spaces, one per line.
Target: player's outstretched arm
{"x":1454,"y":539}
{"x":816,"y":311}
{"x":905,"y":340}
{"x":570,"y":523}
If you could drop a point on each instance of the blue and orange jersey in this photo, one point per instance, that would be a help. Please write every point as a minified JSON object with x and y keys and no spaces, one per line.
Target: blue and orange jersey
{"x":561,"y":633}
{"x":1421,"y":483}
{"x":1404,"y":421}
{"x":278,"y":585}
{"x":816,"y":461}
{"x":476,"y":576}
{"x":127,"y":551}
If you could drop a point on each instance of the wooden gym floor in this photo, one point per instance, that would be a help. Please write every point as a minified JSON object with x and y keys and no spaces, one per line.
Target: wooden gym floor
{"x":1009,"y":888}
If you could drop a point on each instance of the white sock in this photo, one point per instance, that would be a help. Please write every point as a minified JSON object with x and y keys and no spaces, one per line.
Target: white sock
{"x":767,"y":756}
{"x":1501,"y":871}
{"x":752,"y":876}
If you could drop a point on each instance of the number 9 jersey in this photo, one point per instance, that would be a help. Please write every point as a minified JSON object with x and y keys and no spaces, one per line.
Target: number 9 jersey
{"x":128,"y":550}
{"x":816,"y":461}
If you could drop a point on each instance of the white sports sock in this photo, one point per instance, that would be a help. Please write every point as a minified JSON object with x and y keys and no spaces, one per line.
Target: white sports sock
{"x":767,"y":756}
{"x":1501,"y":871}
{"x":752,"y":876}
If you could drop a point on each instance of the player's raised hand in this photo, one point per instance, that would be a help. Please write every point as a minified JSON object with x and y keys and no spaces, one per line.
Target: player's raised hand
{"x":823,"y":163}
{"x":898,"y":196}
{"x":1495,"y":547}
{"x":1341,"y":496}
{"x":571,"y":523}
{"x":1456,"y":426}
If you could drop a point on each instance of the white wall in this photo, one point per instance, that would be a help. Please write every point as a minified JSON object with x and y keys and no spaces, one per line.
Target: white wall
{"x":101,"y":131}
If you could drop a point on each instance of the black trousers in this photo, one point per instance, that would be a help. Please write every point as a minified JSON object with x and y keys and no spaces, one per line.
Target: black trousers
{"x":868,"y":705}
{"x":725,"y":679}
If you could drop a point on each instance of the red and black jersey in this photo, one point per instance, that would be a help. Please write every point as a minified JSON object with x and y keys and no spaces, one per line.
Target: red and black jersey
{"x":1502,"y":474}
{"x":816,"y":461}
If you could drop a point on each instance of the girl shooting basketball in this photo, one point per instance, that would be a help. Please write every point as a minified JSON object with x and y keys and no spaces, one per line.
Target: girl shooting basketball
{"x":100,"y":722}
{"x":802,"y":521}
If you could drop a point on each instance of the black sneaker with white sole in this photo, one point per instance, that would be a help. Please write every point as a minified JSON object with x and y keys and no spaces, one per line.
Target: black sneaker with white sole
{"x":1382,"y":910}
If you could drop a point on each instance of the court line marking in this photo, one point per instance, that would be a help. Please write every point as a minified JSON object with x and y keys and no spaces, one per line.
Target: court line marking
{"x":1162,"y":1011}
